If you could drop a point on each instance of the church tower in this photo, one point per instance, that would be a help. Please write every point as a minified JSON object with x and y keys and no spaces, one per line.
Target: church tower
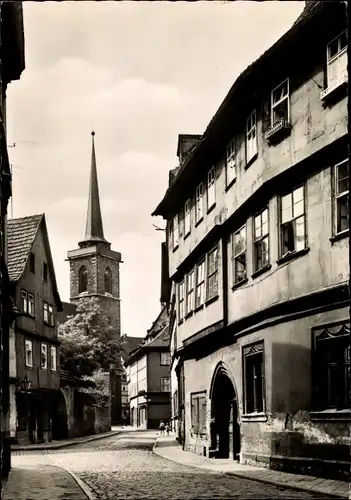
{"x":94,"y":272}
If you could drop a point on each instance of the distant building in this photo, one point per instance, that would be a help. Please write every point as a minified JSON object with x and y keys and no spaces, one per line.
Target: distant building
{"x":34,"y":346}
{"x":149,"y":382}
{"x":94,"y":272}
{"x":258,"y":242}
{"x":11,"y":68}
{"x":129,"y":344}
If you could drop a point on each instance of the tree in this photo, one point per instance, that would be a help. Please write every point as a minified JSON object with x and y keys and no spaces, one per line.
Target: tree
{"x":88,"y":341}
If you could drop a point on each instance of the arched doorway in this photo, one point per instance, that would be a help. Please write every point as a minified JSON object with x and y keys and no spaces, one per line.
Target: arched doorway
{"x":225,"y":415}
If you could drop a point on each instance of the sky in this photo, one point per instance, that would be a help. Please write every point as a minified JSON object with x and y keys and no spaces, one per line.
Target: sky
{"x":138,"y":74}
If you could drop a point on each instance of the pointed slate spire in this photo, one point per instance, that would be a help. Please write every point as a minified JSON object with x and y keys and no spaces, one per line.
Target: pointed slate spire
{"x":94,"y":232}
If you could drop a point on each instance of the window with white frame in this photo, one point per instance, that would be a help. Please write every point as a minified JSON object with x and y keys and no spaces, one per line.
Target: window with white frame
{"x":293,"y":227}
{"x":190,"y":291}
{"x":44,"y":357}
{"x":239,"y":255}
{"x":29,"y":353}
{"x":200,"y":284}
{"x":341,"y":197}
{"x":251,"y":137}
{"x":261,"y":240}
{"x":165,"y":358}
{"x":199,"y":203}
{"x":337,"y":59}
{"x":27,"y":303}
{"x":165,"y":384}
{"x":212,"y":274}
{"x":181,"y":230}
{"x":48,"y":314}
{"x":53,"y":358}
{"x":230,"y":170}
{"x":187,"y":217}
{"x":181,"y":301}
{"x":280,"y":110}
{"x":175,"y":232}
{"x":211,"y":188}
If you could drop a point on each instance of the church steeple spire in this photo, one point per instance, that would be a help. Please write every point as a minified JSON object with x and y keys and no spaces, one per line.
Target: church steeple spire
{"x":94,"y":232}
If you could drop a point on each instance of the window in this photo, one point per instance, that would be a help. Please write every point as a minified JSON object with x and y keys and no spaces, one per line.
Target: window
{"x":175,"y":232}
{"x":181,"y":223}
{"x":108,"y":280}
{"x":32,"y":262}
{"x":29,"y":353}
{"x":239,"y":255}
{"x":254,"y":378}
{"x":332,"y":367}
{"x":261,"y":240}
{"x":198,"y":413}
{"x":199,"y":203}
{"x":83,"y":280}
{"x":181,"y":301}
{"x":280,"y":103}
{"x":165,"y":384}
{"x":165,"y":358}
{"x":44,"y":357}
{"x":45,"y":272}
{"x":27,"y":303}
{"x":200,"y":284}
{"x":53,"y":358}
{"x":251,"y":137}
{"x":293,"y":236}
{"x":211,"y":193}
{"x":48,"y":314}
{"x":337,"y":59}
{"x":230,"y":171}
{"x":341,"y":202}
{"x":190,"y":292}
{"x":187,"y":217}
{"x":175,"y":404}
{"x":212,"y":274}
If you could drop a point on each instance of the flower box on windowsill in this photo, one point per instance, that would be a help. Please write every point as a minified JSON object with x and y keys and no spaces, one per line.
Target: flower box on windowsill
{"x":278,"y":130}
{"x":339,"y":85}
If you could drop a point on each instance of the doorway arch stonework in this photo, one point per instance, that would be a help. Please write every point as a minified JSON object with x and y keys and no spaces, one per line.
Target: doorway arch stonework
{"x":225,"y":414}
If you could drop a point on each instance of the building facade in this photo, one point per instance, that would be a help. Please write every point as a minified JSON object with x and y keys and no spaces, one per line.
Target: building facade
{"x":34,"y":346}
{"x":149,"y":380}
{"x":94,"y":272}
{"x":11,"y":68}
{"x":129,"y":344}
{"x":258,"y":242}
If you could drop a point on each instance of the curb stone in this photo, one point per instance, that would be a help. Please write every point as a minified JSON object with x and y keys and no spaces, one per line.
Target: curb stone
{"x":82,"y":484}
{"x":279,"y":484}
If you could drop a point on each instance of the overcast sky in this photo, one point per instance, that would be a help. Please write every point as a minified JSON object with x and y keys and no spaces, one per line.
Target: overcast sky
{"x":139,"y":74}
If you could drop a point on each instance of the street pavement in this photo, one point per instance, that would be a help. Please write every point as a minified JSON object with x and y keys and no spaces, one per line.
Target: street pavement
{"x":124,"y":467}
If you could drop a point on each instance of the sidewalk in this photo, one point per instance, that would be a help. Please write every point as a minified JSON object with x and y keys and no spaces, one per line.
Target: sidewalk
{"x":64,"y":443}
{"x":169,"y":448}
{"x":44,"y":483}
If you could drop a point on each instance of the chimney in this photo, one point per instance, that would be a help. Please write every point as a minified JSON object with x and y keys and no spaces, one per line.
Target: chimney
{"x":185,"y":143}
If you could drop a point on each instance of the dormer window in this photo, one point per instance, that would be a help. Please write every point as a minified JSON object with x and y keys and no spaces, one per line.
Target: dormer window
{"x":83,"y":280}
{"x":108,"y":280}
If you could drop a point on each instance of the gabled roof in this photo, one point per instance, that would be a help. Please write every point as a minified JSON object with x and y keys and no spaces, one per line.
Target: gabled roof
{"x":129,"y":345}
{"x":21,"y":234}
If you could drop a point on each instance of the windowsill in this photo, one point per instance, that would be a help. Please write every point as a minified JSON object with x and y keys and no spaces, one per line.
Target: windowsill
{"x":331,"y":415}
{"x":198,"y":308}
{"x":48,"y":324}
{"x":261,"y":271}
{"x":29,"y":367}
{"x":293,"y":255}
{"x":175,"y":248}
{"x":230,"y":184}
{"x":199,"y":221}
{"x":251,"y":160}
{"x":239,"y":284}
{"x":186,"y":235}
{"x":339,"y":236}
{"x":254,"y":417}
{"x":180,"y":322}
{"x":277,"y":132}
{"x":335,"y":91}
{"x":212,"y":299}
{"x":188,"y":315}
{"x":211,"y":208}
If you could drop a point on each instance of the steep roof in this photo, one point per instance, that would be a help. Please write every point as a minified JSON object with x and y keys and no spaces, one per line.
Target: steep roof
{"x":129,"y":345}
{"x":21,"y":234}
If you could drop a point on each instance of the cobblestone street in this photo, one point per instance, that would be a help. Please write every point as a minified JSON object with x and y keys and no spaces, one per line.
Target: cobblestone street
{"x":124,"y":467}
